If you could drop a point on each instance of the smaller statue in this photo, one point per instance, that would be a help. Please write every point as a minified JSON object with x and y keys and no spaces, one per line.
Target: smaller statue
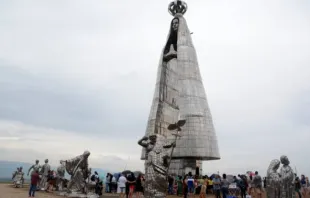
{"x":15,"y":173}
{"x":78,"y":169}
{"x":44,"y":175}
{"x":61,"y":170}
{"x":287,"y":178}
{"x":156,"y":165}
{"x":273,"y":179}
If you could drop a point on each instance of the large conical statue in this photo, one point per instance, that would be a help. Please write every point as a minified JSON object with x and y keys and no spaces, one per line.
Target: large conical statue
{"x":180,"y":95}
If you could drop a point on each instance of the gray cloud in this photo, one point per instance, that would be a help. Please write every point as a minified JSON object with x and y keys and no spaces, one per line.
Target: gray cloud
{"x":91,"y":68}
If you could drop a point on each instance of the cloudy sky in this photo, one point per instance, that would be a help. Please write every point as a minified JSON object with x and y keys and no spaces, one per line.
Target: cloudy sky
{"x":78,"y":75}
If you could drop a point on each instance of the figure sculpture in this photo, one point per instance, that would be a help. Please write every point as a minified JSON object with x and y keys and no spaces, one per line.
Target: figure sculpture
{"x":78,"y":169}
{"x":156,"y":165}
{"x":61,"y":170}
{"x":273,"y":179}
{"x":44,"y":175}
{"x":179,"y":95}
{"x":35,"y":168}
{"x":287,"y":178}
{"x":18,"y":177}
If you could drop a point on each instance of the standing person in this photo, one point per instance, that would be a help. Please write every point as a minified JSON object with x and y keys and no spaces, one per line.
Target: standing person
{"x":210,"y":186}
{"x":131,"y":180}
{"x":185,"y":187}
{"x":203,"y":189}
{"x":107,"y":183}
{"x":257,"y":182}
{"x":303,"y":186}
{"x":297,"y":186}
{"x":139,"y":188}
{"x":241,"y":183}
{"x":170,"y":185}
{"x":33,"y":185}
{"x":190,"y":185}
{"x":180,"y":185}
{"x":122,"y":185}
{"x":224,"y":185}
{"x":217,"y":186}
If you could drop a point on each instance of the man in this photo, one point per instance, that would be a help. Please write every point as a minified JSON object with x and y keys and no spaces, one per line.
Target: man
{"x":297,"y":186}
{"x":170,"y":187}
{"x":122,"y":185}
{"x":217,"y":186}
{"x":33,"y":185}
{"x":257,"y":181}
{"x":190,"y":185}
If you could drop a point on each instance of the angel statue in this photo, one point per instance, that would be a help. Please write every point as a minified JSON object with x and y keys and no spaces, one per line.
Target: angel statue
{"x":273,"y":179}
{"x":78,"y":169}
{"x":156,"y":165}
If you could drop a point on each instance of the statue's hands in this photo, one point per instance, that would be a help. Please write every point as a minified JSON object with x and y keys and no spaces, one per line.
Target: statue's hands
{"x":174,"y":144}
{"x":145,"y":138}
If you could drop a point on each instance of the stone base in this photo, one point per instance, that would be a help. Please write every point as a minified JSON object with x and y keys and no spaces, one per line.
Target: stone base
{"x":77,"y":195}
{"x":184,"y":166}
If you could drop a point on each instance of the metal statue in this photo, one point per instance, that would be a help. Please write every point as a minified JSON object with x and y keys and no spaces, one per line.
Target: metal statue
{"x":61,"y":170}
{"x":273,"y":179}
{"x":78,"y":169}
{"x":287,"y":178}
{"x":44,"y":175}
{"x":180,"y":94}
{"x":18,"y":177}
{"x":156,"y":165}
{"x":34,"y":168}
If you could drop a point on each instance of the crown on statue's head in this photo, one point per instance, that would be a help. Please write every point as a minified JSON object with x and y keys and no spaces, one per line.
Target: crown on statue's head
{"x":177,"y":7}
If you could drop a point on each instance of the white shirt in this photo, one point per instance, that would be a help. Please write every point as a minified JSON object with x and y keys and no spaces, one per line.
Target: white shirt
{"x":113,"y":179}
{"x":122,"y":182}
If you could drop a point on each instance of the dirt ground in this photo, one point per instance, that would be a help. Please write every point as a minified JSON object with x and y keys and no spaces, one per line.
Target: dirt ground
{"x":8,"y":191}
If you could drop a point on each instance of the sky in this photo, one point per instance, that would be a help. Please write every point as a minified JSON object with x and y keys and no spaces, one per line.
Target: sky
{"x":77,"y":75}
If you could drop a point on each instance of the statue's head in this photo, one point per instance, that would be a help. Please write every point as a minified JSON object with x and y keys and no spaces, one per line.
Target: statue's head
{"x":284,"y":160}
{"x":86,"y":153}
{"x":21,"y":168}
{"x":46,"y":161}
{"x":61,"y":161}
{"x":37,"y":161}
{"x":175,"y":24}
{"x":153,"y":138}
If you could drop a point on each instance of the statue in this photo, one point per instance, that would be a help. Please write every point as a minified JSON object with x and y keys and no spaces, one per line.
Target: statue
{"x":18,"y":177}
{"x":44,"y":173}
{"x":61,"y":170}
{"x":273,"y":179}
{"x":156,"y":165}
{"x":36,"y":167}
{"x":78,"y":169}
{"x":287,"y":178}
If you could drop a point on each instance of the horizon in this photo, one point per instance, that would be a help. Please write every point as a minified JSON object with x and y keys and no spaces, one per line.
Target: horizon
{"x":77,"y":76}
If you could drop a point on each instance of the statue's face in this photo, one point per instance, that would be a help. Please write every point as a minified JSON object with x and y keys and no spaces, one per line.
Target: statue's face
{"x":153,"y":139}
{"x":175,"y":24}
{"x":37,"y":161}
{"x":46,"y":161}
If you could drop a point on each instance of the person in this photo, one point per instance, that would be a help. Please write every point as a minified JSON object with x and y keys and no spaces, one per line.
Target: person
{"x":297,"y":186}
{"x":242,"y":184}
{"x":210,"y":186}
{"x":185,"y":187}
{"x":107,"y":183}
{"x":131,"y":180}
{"x":190,"y":184}
{"x":122,"y":185}
{"x":303,"y":186}
{"x":113,"y":184}
{"x":139,"y":188}
{"x":170,"y":185}
{"x":33,"y":185}
{"x":225,"y":185}
{"x":217,"y":186}
{"x":180,"y":185}
{"x":203,"y":190}
{"x":257,"y":182}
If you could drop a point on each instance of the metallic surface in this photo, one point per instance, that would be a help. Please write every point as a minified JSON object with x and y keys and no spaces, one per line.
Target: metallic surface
{"x":179,"y":94}
{"x":287,"y":178}
{"x":280,"y":184}
{"x":273,"y":179}
{"x":60,"y":181}
{"x":78,"y":169}
{"x":44,"y":175}
{"x":156,"y":165}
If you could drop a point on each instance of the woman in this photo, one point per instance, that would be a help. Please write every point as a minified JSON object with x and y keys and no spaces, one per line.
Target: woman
{"x":180,"y":186}
{"x":203,"y":190}
{"x":185,"y":187}
{"x":139,"y":188}
{"x":131,"y":180}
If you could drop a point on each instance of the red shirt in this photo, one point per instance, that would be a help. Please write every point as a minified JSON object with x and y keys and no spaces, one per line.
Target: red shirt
{"x":34,"y":179}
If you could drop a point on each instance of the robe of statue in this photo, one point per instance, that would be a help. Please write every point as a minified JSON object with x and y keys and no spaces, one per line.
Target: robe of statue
{"x":61,"y":170}
{"x":180,"y":95}
{"x":44,"y":175}
{"x":273,"y":180}
{"x":287,"y":178}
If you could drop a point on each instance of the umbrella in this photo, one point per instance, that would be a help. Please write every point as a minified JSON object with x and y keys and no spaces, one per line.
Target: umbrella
{"x":126,"y":172}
